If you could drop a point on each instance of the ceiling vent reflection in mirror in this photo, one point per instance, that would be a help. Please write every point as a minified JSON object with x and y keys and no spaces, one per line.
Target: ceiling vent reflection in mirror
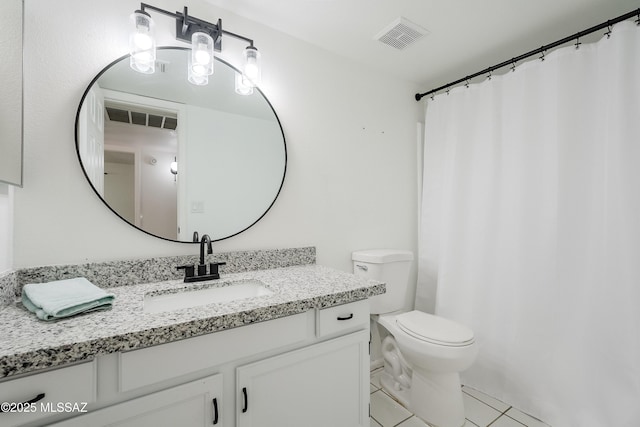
{"x":139,"y":116}
{"x":401,"y":33}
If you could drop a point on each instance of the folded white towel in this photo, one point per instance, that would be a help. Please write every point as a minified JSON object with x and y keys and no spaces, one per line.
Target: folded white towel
{"x":64,"y":298}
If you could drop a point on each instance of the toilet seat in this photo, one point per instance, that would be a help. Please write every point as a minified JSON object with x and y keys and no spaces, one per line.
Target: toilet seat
{"x":434,"y":329}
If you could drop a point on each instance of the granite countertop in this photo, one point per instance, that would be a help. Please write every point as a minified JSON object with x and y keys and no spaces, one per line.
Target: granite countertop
{"x":28,"y":344}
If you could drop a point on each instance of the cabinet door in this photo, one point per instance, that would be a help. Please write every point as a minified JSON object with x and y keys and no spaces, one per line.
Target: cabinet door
{"x":197,"y":403}
{"x":326,"y":384}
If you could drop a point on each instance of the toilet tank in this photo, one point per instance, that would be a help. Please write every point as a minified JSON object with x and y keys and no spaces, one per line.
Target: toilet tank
{"x":391,"y":266}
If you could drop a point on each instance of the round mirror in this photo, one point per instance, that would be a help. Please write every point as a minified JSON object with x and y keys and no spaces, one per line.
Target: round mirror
{"x":175,"y":159}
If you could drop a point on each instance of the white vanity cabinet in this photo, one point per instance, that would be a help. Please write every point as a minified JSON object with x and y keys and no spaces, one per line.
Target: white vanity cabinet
{"x":309,"y":369}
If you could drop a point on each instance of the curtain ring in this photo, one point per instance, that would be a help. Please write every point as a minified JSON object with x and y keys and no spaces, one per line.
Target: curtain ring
{"x":448,"y":89}
{"x":608,"y":33}
{"x":490,"y":74}
{"x":542,"y":56}
{"x":466,"y":84}
{"x":577,"y":45}
{"x":513,"y":65}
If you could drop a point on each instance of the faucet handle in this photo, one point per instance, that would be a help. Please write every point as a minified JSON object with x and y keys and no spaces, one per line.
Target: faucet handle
{"x":189,"y":270}
{"x":213,"y":269}
{"x":202,"y":269}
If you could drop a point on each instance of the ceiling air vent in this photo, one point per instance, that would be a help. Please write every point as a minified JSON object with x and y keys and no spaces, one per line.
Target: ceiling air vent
{"x":139,"y":116}
{"x":401,"y":33}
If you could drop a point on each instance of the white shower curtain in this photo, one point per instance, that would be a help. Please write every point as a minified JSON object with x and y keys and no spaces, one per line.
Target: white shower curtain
{"x":531,"y":230}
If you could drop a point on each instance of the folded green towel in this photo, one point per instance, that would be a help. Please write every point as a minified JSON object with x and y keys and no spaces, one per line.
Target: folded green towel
{"x":64,"y":298}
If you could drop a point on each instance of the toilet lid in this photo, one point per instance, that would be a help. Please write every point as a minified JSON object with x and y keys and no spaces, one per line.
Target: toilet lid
{"x":434,"y":329}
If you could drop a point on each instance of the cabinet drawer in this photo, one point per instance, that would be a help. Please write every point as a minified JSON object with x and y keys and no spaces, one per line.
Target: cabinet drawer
{"x":342,"y":318}
{"x":71,"y":385}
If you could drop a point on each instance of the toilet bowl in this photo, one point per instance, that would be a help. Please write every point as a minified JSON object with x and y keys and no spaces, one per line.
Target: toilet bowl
{"x":397,"y":372}
{"x":436,"y":350}
{"x":423,"y":354}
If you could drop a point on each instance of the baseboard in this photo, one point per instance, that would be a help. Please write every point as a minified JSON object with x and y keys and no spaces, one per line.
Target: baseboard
{"x":375,"y":364}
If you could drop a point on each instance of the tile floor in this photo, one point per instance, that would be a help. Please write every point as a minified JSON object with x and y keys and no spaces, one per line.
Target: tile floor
{"x":480,"y":410}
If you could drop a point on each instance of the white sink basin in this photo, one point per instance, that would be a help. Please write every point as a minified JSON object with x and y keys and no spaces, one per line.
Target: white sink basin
{"x":224,"y":292}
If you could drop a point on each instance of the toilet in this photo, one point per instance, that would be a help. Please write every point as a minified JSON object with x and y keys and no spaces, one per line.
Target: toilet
{"x":423,"y":354}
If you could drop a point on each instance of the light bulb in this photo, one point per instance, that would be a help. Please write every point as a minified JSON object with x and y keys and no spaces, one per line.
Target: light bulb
{"x":199,"y":70}
{"x":251,"y":71}
{"x":196,"y":78}
{"x":142,"y":41}
{"x":202,"y":57}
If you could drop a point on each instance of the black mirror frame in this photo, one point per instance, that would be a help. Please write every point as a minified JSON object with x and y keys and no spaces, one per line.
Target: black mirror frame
{"x":84,"y":95}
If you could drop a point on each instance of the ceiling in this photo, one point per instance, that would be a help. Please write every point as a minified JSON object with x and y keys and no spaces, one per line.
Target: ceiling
{"x":465,"y":36}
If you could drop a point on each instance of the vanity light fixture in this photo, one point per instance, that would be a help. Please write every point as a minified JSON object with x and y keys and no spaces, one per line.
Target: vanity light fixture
{"x":251,"y":69}
{"x":142,"y":43}
{"x":205,"y":38}
{"x":201,"y":54}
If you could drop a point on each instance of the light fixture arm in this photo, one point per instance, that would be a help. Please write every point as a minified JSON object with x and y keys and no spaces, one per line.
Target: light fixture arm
{"x":187,"y":25}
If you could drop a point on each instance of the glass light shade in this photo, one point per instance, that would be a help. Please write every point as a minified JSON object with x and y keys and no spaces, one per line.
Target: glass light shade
{"x":142,"y":43}
{"x":201,"y":54}
{"x":251,"y":69}
{"x":196,"y":79}
{"x":243,"y":87}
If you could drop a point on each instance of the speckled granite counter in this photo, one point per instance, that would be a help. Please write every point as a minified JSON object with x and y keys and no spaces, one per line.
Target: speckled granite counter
{"x":147,"y":270}
{"x":27,"y":344}
{"x":8,"y":285}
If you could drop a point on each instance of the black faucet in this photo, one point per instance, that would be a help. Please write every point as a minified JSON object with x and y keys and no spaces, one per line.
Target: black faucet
{"x":189,"y":270}
{"x":202,"y":267}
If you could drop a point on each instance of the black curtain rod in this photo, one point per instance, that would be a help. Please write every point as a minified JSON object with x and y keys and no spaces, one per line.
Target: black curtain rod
{"x":513,"y":61}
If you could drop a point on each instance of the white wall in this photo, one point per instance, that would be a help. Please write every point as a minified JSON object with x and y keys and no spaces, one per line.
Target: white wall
{"x":350,"y":137}
{"x":232,"y":161}
{"x":6,"y":227}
